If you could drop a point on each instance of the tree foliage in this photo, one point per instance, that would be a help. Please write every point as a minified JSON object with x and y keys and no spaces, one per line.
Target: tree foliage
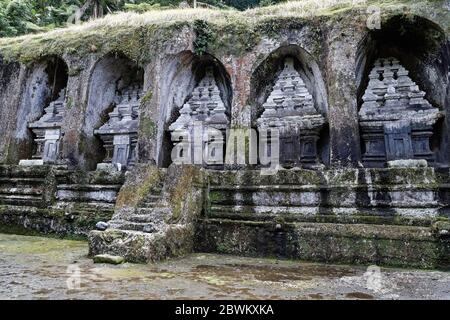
{"x":19,"y":17}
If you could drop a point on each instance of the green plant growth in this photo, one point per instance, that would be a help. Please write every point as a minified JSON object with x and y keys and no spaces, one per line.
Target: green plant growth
{"x":204,"y":36}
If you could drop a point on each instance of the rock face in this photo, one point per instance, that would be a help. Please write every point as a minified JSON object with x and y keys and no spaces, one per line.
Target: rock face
{"x":48,"y":130}
{"x":119,"y":134}
{"x":289,"y":111}
{"x":396,"y":121}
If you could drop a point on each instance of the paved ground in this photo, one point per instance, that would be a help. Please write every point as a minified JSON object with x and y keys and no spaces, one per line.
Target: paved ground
{"x":45,"y":268}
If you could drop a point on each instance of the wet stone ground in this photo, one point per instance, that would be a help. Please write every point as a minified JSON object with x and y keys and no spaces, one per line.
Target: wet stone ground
{"x":46,"y":268}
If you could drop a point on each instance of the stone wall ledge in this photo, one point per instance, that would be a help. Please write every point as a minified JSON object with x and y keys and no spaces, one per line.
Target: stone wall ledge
{"x":402,"y":246}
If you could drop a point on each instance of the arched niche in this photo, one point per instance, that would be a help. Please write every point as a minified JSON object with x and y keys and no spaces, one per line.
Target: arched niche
{"x":268,"y":71}
{"x":182,"y":74}
{"x":46,"y":80}
{"x":422,"y":48}
{"x":110,"y":77}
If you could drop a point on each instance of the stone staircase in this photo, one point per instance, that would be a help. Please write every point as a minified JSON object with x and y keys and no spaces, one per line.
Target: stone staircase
{"x":148,"y":216}
{"x":154,"y":217}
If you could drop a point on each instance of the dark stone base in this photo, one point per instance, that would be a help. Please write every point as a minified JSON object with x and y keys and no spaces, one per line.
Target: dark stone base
{"x":403,"y":246}
{"x":14,"y":219}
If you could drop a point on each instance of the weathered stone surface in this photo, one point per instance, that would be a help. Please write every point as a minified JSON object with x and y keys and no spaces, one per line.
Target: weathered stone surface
{"x":108,"y":167}
{"x":345,"y":243}
{"x":407,"y":163}
{"x":52,"y":199}
{"x":11,"y":74}
{"x":107,"y":258}
{"x":34,"y":162}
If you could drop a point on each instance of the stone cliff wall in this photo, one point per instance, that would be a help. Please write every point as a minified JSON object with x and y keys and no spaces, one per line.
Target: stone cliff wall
{"x":335,"y":51}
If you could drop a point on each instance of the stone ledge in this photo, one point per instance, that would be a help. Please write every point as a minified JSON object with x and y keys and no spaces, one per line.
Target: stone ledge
{"x":29,"y":163}
{"x":325,"y":242}
{"x":76,"y":222}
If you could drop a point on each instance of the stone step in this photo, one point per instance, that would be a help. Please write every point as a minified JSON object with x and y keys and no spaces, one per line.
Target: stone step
{"x":389,"y":199}
{"x":149,"y":201}
{"x":146,"y":227}
{"x":162,"y":211}
{"x":409,"y":246}
{"x":144,"y":215}
{"x":21,"y":200}
{"x":368,"y":217}
{"x":153,"y":197}
{"x":89,"y":187}
{"x":141,"y":247}
{"x":20,"y":191}
{"x":90,"y":207}
{"x":148,"y":205}
{"x":145,"y":218}
{"x":21,"y":181}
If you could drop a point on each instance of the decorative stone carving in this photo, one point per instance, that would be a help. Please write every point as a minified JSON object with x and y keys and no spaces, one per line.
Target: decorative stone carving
{"x":48,"y":131}
{"x":290,"y":110}
{"x":396,"y":121}
{"x":206,"y":111}
{"x":119,"y":134}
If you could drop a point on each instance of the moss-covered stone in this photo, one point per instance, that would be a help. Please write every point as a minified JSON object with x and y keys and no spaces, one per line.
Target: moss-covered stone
{"x":139,"y":183}
{"x":357,"y":244}
{"x":224,"y":31}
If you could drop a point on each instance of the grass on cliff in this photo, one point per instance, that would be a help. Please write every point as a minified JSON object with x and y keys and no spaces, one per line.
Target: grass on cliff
{"x":129,"y":32}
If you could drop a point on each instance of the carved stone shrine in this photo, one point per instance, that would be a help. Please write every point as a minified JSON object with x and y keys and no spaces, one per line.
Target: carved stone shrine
{"x":199,"y":132}
{"x":290,"y":110}
{"x":48,"y":131}
{"x":396,"y":121}
{"x":119,"y":134}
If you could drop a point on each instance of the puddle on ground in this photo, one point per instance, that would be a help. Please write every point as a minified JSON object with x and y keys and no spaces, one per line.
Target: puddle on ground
{"x":359,"y":295}
{"x":49,"y":268}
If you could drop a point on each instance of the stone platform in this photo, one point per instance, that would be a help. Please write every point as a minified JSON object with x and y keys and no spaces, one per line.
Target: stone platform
{"x":383,"y":216}
{"x":392,"y":216}
{"x":53,"y":199}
